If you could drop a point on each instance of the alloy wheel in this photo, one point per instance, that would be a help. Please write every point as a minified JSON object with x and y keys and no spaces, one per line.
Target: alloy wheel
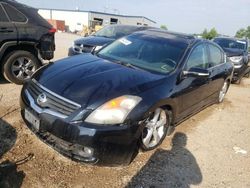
{"x":155,"y":129}
{"x":23,"y":68}
{"x":223,"y":91}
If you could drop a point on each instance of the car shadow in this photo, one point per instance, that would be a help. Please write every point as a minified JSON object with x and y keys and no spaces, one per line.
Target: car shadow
{"x":10,"y":177}
{"x":169,"y":168}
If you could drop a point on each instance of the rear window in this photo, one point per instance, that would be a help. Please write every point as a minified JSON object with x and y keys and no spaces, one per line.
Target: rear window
{"x":35,"y":17}
{"x":3,"y":17}
{"x":14,"y":14}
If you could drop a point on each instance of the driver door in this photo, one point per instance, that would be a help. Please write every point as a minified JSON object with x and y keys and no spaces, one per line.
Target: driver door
{"x":194,"y":88}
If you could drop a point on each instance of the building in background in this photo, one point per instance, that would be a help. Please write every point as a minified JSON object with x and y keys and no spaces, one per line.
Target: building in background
{"x":76,"y":20}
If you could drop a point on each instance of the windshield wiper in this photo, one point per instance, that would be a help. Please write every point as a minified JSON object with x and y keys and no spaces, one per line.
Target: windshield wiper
{"x":103,"y":36}
{"x":117,"y":61}
{"x":126,"y":64}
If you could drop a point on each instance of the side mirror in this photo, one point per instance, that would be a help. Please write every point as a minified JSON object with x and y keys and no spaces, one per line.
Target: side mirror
{"x":196,"y":72}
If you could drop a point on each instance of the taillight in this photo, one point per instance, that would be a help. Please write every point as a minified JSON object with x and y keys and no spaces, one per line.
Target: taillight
{"x":52,"y":30}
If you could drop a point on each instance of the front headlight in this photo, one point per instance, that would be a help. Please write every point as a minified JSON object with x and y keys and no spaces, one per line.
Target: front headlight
{"x":236,"y":59}
{"x":114,"y":111}
{"x":238,"y":66}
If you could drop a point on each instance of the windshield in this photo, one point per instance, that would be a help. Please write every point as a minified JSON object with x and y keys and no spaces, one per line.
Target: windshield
{"x":227,"y":43}
{"x":115,"y":31}
{"x":146,"y":52}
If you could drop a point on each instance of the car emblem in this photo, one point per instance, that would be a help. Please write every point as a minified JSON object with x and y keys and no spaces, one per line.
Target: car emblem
{"x":41,"y":99}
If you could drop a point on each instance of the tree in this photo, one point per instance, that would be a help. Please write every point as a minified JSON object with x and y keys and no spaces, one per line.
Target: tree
{"x":248,"y":32}
{"x":164,"y":27}
{"x":241,"y":33}
{"x":204,"y":34}
{"x":209,"y":35}
{"x":213,"y":33}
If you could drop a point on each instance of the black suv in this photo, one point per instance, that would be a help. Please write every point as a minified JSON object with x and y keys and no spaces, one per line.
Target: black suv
{"x":237,"y":53}
{"x":25,"y":40}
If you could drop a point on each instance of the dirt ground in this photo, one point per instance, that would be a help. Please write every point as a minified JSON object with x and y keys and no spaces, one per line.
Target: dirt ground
{"x":211,"y":149}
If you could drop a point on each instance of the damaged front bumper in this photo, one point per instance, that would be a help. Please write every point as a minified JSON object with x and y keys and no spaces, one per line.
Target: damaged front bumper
{"x":240,"y":71}
{"x":82,"y":142}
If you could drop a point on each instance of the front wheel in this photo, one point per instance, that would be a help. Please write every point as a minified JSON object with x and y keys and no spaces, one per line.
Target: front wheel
{"x":18,"y":66}
{"x":156,"y":128}
{"x":223,"y":91}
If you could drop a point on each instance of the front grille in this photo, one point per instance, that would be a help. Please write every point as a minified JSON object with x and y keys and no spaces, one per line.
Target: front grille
{"x":53,"y":102}
{"x":87,"y":48}
{"x":83,"y":48}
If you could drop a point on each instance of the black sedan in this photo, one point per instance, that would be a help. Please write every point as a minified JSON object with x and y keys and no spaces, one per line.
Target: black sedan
{"x":237,"y":53}
{"x":103,"y":108}
{"x":102,"y":37}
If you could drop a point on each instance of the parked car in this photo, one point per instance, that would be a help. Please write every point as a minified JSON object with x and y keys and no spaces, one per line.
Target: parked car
{"x":26,"y":38}
{"x":248,"y":52}
{"x":130,"y":95}
{"x":237,"y":53}
{"x":102,"y":37}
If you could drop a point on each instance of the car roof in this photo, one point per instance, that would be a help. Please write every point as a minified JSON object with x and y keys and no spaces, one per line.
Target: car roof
{"x":16,"y":4}
{"x":9,"y":1}
{"x":187,"y":38}
{"x":132,"y":26}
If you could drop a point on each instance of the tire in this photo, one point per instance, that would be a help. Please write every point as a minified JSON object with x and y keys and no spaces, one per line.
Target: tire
{"x":223,"y":91}
{"x":150,"y":142}
{"x":18,"y":66}
{"x":235,"y":81}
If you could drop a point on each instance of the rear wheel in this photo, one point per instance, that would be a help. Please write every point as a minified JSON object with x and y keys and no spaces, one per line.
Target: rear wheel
{"x":19,"y":66}
{"x":223,"y":91}
{"x":155,"y":130}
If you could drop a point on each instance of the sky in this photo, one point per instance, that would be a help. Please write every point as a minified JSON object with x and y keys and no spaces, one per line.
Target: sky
{"x":186,"y":16}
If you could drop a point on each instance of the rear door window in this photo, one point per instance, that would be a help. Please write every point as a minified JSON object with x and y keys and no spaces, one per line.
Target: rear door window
{"x":216,"y":56}
{"x":14,"y":14}
{"x":3,"y":17}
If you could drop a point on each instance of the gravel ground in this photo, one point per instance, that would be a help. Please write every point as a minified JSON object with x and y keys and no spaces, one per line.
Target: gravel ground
{"x":211,"y":149}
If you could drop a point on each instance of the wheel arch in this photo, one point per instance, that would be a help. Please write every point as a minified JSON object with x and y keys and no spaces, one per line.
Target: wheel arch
{"x":30,"y":47}
{"x":228,"y":80}
{"x":171,"y":111}
{"x":169,"y":128}
{"x":170,"y":106}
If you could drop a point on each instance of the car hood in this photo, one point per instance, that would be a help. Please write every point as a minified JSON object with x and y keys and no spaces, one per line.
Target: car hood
{"x":89,"y":80}
{"x":94,"y":41}
{"x":233,"y":52}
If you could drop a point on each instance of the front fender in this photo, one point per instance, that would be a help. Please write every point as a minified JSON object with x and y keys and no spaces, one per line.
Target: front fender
{"x":152,"y":100}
